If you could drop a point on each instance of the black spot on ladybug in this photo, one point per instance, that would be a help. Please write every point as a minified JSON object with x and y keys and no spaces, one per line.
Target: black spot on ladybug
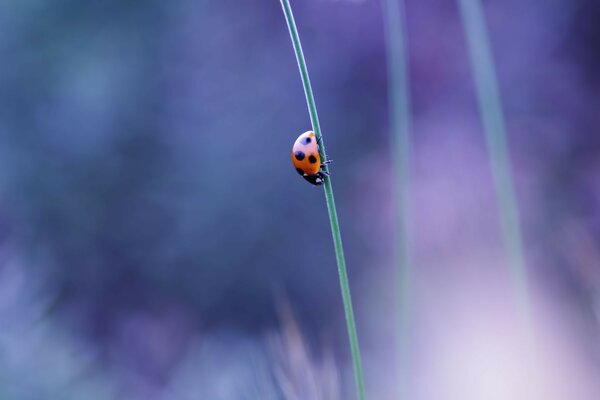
{"x":298,"y":170}
{"x":299,"y":155}
{"x":306,"y":141}
{"x":312,"y":159}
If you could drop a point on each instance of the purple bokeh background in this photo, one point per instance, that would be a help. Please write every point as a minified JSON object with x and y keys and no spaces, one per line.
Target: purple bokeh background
{"x":152,"y":227}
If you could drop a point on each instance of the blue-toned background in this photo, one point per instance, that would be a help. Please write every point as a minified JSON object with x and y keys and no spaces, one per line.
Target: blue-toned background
{"x":156,"y":243}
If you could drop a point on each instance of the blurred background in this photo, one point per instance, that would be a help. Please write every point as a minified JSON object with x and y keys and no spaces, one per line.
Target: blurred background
{"x":156,"y":242}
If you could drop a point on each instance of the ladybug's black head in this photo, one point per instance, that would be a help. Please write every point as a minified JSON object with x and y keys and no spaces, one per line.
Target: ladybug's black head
{"x":317,"y":179}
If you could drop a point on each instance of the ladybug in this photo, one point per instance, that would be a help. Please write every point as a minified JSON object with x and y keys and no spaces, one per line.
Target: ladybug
{"x":307,"y":160}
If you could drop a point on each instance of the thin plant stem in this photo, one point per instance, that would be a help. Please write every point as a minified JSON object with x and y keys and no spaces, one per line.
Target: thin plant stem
{"x":490,"y":107}
{"x":400,"y":124}
{"x":333,"y":219}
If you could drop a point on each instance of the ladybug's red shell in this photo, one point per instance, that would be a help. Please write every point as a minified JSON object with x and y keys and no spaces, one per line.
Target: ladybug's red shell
{"x":306,"y":159}
{"x":305,"y":154}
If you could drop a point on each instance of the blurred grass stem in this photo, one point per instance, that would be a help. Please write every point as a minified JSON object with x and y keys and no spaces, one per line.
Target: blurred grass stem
{"x":335,"y":229}
{"x":490,"y":107}
{"x":400,"y":125}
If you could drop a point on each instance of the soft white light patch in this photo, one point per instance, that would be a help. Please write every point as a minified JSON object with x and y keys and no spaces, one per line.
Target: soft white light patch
{"x":487,"y":366}
{"x":487,"y":359}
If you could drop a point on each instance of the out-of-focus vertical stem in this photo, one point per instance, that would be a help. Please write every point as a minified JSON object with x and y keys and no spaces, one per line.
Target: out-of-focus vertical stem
{"x":490,"y":107}
{"x":333,"y":219}
{"x":400,"y":125}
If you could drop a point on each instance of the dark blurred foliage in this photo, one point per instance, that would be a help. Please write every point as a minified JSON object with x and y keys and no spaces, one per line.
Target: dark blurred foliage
{"x":147,"y":194}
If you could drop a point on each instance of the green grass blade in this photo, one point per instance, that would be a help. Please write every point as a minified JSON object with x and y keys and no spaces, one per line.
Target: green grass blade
{"x":335,"y":229}
{"x":490,"y":107}
{"x":400,"y":125}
